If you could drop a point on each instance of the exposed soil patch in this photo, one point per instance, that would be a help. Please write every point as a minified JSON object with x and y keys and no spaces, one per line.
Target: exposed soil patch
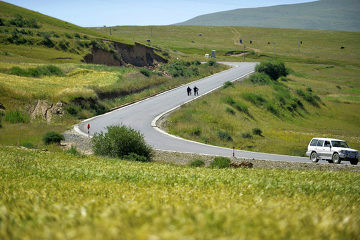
{"x":46,"y":111}
{"x":138,"y":55}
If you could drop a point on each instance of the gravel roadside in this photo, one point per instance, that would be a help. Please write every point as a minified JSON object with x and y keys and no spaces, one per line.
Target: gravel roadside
{"x":83,"y":145}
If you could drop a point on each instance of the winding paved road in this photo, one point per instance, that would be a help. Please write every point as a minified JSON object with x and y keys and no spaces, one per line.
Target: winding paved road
{"x":142,"y":116}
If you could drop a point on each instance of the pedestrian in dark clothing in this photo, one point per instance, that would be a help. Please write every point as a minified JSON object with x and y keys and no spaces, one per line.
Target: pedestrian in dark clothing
{"x":196,"y":91}
{"x":189,"y":91}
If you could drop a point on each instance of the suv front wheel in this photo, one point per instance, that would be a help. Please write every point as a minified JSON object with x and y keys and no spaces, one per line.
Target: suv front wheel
{"x":314,"y":157}
{"x":336,"y":158}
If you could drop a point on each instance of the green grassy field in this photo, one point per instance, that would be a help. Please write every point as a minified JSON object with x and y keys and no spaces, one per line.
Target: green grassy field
{"x":58,"y":195}
{"x":318,"y":46}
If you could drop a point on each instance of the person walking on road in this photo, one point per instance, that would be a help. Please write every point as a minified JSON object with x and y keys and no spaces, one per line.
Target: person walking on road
{"x":196,"y":91}
{"x":189,"y":91}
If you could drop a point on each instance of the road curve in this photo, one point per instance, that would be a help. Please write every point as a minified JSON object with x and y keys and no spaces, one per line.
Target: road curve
{"x":142,"y":116}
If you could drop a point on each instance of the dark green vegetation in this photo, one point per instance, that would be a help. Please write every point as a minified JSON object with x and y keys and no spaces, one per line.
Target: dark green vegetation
{"x":52,"y":137}
{"x":49,"y":195}
{"x":122,"y":142}
{"x":324,"y":14}
{"x":220,"y":162}
{"x":197,"y":163}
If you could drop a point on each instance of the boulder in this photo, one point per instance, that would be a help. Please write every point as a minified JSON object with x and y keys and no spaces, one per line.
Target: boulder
{"x":245,"y":164}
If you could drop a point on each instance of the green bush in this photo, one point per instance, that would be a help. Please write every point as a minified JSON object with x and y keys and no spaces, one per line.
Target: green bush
{"x":16,"y":117}
{"x":28,"y":145}
{"x":223,"y":135}
{"x":256,"y":99}
{"x":181,"y":68}
{"x":48,"y":42}
{"x":271,"y":108}
{"x":309,"y":97}
{"x":196,"y":63}
{"x":274,"y":69}
{"x":197,"y":163}
{"x":52,"y":137}
{"x":212,"y":63}
{"x":246,"y":135}
{"x":134,"y":157}
{"x":228,"y":84}
{"x":72,"y":110}
{"x":241,"y":107}
{"x":260,"y":78}
{"x":73,"y":151}
{"x":48,"y":70}
{"x":120,"y":141}
{"x":220,"y":162}
{"x":145,"y":72}
{"x":20,"y":21}
{"x":257,"y":131}
{"x":196,"y":131}
{"x":229,"y":100}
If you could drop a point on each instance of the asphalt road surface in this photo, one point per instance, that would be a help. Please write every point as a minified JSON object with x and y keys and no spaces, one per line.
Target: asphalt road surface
{"x":142,"y":116}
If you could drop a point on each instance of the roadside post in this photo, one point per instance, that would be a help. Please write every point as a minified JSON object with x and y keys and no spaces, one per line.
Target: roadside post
{"x":88,"y":127}
{"x":233,"y":151}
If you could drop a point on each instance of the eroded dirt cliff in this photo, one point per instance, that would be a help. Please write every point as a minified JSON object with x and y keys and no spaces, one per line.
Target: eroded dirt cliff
{"x":138,"y":55}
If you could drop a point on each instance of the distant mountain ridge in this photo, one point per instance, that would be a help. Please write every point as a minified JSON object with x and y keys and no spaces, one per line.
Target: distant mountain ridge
{"x":341,"y":15}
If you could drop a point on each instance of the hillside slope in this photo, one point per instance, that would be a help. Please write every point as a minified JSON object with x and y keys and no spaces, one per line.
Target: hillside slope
{"x":34,"y":37}
{"x":324,"y":14}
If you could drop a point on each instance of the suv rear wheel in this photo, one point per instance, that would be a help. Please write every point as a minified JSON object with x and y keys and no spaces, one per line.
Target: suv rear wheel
{"x":336,"y":158}
{"x":354,"y":161}
{"x":314,"y":157}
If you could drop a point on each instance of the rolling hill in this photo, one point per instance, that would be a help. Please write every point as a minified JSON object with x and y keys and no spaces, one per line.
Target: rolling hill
{"x":324,"y":14}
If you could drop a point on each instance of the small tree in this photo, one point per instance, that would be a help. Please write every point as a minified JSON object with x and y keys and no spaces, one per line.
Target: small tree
{"x":121,"y":142}
{"x":52,"y":137}
{"x":274,"y":69}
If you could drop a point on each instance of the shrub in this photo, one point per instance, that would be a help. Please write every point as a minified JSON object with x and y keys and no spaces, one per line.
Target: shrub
{"x":241,"y":107}
{"x":255,"y":99}
{"x":16,"y":117}
{"x":48,"y":70}
{"x":20,"y":21}
{"x":73,"y":151}
{"x":220,"y":162}
{"x":64,"y":45}
{"x":48,"y":42}
{"x":52,"y":137}
{"x":230,"y":111}
{"x":257,"y":131}
{"x":145,"y":72}
{"x":246,"y":135}
{"x":212,"y":63}
{"x":274,"y":69}
{"x":260,"y":78}
{"x":197,"y":163}
{"x":271,"y":108}
{"x":196,"y":131}
{"x":120,"y":141}
{"x":72,"y":110}
{"x":28,"y":145}
{"x":309,"y":97}
{"x":68,"y":35}
{"x":77,"y":35}
{"x":224,"y":136}
{"x":229,"y":100}
{"x":228,"y":84}
{"x":196,"y":63}
{"x":135,"y":157}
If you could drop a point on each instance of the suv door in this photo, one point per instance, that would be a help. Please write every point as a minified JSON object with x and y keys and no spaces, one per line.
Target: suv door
{"x":326,"y":150}
{"x":320,"y":148}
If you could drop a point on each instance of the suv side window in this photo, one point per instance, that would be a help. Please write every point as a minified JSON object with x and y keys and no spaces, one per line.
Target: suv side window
{"x":313,"y":142}
{"x":320,"y":143}
{"x":327,"y":144}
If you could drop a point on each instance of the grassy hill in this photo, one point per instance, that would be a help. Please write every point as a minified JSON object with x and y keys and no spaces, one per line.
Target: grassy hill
{"x":324,"y":14}
{"x":59,"y":195}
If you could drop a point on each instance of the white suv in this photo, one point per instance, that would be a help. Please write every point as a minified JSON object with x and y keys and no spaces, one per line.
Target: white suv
{"x":332,"y":150}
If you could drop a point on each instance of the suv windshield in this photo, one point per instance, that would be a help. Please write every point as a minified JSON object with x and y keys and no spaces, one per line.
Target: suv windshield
{"x":340,"y":144}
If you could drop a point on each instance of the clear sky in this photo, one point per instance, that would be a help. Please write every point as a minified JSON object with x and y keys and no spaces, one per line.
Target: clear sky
{"x":92,"y":13}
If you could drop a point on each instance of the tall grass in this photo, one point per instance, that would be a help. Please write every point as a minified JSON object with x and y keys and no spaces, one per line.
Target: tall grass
{"x":16,"y":117}
{"x":147,"y":198}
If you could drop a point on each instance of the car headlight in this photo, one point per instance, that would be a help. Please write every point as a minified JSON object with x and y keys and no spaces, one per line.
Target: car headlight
{"x":343,"y":151}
